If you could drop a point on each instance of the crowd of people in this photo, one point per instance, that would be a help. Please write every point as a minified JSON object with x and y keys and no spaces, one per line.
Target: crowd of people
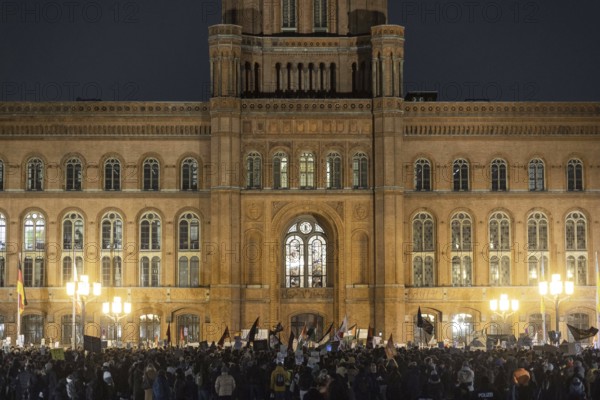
{"x":355,"y":374}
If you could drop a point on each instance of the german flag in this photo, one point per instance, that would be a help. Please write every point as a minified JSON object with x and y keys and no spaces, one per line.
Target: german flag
{"x":21,"y":298}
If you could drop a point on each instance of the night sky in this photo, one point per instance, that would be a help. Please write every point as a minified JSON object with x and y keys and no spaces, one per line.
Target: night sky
{"x":157,"y":50}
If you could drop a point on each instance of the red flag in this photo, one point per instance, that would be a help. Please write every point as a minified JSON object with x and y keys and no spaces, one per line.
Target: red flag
{"x":21,"y":298}
{"x":181,"y":337}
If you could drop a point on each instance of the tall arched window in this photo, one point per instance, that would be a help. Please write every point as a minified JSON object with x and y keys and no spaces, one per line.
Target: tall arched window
{"x":288,"y":15}
{"x":334,"y":171}
{"x":423,"y":231}
{"x":189,"y":251}
{"x":320,"y":15}
{"x":462,"y":249}
{"x":576,"y":247}
{"x":307,"y":171}
{"x":280,"y":171}
{"x":150,"y":240}
{"x":498,"y":171}
{"x":149,"y":330}
{"x":74,"y":172}
{"x":111,"y":251}
{"x":574,"y":175}
{"x":35,"y":174}
{"x":188,"y":328}
{"x":73,"y":231}
{"x":422,"y":175}
{"x":151,"y":174}
{"x":536,"y":175}
{"x":189,"y":174}
{"x":460,"y":175}
{"x":34,"y":232}
{"x":66,"y":327}
{"x":32,"y":327}
{"x":305,"y":255}
{"x":462,"y":328}
{"x":537,"y":247}
{"x":360,"y":168}
{"x":112,"y":174}
{"x":500,"y":246}
{"x":253,"y":171}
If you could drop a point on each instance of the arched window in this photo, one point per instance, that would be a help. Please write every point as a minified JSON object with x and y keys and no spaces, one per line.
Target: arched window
{"x":149,"y":330}
{"x":2,"y":250}
{"x":151,"y":172}
{"x":32,"y":327}
{"x":537,"y":246}
{"x":74,"y":174}
{"x":462,"y":328}
{"x":189,"y":174}
{"x":334,"y":171}
{"x":112,"y":174}
{"x":576,"y":247}
{"x":320,"y":15}
{"x":498,"y":170}
{"x":305,"y":255}
{"x":500,"y":257}
{"x":73,"y":231}
{"x":189,"y":251}
{"x":150,"y":232}
{"x":1,"y":175}
{"x":150,"y":239}
{"x":536,"y":175}
{"x":34,"y":230}
{"x":66,"y":327}
{"x":422,"y":175}
{"x":574,"y":175}
{"x":423,"y":249}
{"x":67,"y":275}
{"x":360,"y":168}
{"x":112,"y":247}
{"x":460,"y":175}
{"x":253,"y":171}
{"x":188,"y":329}
{"x":307,"y":171}
{"x":149,"y":271}
{"x":462,"y":250}
{"x":288,"y":15}
{"x":35,"y":174}
{"x":280,"y":171}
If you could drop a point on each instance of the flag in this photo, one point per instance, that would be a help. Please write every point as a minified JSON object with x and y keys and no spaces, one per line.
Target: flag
{"x":302,"y":335}
{"x":274,"y":334}
{"x":310,"y":334}
{"x":169,"y":333}
{"x":343,"y":328}
{"x":291,"y":340}
{"x":370,"y":337}
{"x":224,"y":336}
{"x":253,"y":331}
{"x":390,"y":348}
{"x":352,"y":330}
{"x":424,"y":323}
{"x":21,"y":298}
{"x":326,"y":336}
{"x":581,"y":334}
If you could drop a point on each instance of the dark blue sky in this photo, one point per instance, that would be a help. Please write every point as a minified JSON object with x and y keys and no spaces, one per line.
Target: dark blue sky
{"x":546,"y":50}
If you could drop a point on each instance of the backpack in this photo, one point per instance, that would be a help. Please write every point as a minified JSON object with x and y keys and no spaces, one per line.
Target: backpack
{"x":280,"y":379}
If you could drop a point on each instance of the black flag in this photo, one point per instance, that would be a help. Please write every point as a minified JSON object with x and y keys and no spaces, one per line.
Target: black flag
{"x":581,"y":334}
{"x":253,"y":331}
{"x":224,"y":336}
{"x":424,"y":323}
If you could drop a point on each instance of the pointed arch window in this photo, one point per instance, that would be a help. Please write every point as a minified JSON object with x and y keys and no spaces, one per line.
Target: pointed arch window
{"x":74,"y":172}
{"x":498,"y":170}
{"x":35,"y":174}
{"x":189,"y":251}
{"x":574,"y":175}
{"x":537,"y":247}
{"x":462,"y":249}
{"x":151,"y":172}
{"x":360,"y":169}
{"x":150,"y":232}
{"x":576,"y":247}
{"x":253,"y":171}
{"x":460,"y":175}
{"x":112,"y":174}
{"x":189,"y":174}
{"x":34,"y":230}
{"x":307,"y":171}
{"x":422,"y":175}
{"x":536,"y":175}
{"x":73,"y":231}
{"x":423,"y":249}
{"x":500,"y":257}
{"x":306,"y":255}
{"x":280,"y":170}
{"x":334,"y":171}
{"x":111,"y":232}
{"x":150,"y":240}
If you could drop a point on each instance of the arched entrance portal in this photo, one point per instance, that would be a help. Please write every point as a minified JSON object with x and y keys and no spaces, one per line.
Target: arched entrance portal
{"x":313,"y":324}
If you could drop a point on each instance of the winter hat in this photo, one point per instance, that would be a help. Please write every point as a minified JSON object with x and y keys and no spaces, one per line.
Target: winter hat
{"x":107,"y":377}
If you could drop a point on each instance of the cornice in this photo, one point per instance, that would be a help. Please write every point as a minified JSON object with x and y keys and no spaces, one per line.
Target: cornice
{"x":488,"y":109}
{"x":102,"y":108}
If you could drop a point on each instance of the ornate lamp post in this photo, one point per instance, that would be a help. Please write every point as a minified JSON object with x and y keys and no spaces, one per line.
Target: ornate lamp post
{"x":504,"y":307}
{"x":79,"y":290}
{"x":553,"y":290}
{"x":116,"y":311}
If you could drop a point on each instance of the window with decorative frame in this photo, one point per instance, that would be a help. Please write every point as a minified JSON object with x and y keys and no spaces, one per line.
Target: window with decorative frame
{"x":111,"y":252}
{"x":537,"y":247}
{"x":34,"y":239}
{"x":112,"y":175}
{"x":499,"y":175}
{"x":305,"y":258}
{"x":423,"y":255}
{"x":460,"y":175}
{"x":150,"y":249}
{"x":253,"y":171}
{"x":536,"y":175}
{"x":320,"y":14}
{"x":462,"y":249}
{"x":288,"y":15}
{"x":280,"y":171}
{"x":189,"y":251}
{"x":35,"y":174}
{"x":151,"y":174}
{"x":307,"y":171}
{"x":334,"y":171}
{"x":422,"y":175}
{"x":574,"y":175}
{"x":576,"y":247}
{"x":360,"y":170}
{"x":189,"y":174}
{"x":499,"y":249}
{"x":73,"y":174}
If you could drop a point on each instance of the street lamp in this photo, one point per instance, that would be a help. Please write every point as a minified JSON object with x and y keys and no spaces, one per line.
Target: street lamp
{"x":78,"y":290}
{"x":555,"y":288}
{"x":116,"y":311}
{"x":504,"y":307}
